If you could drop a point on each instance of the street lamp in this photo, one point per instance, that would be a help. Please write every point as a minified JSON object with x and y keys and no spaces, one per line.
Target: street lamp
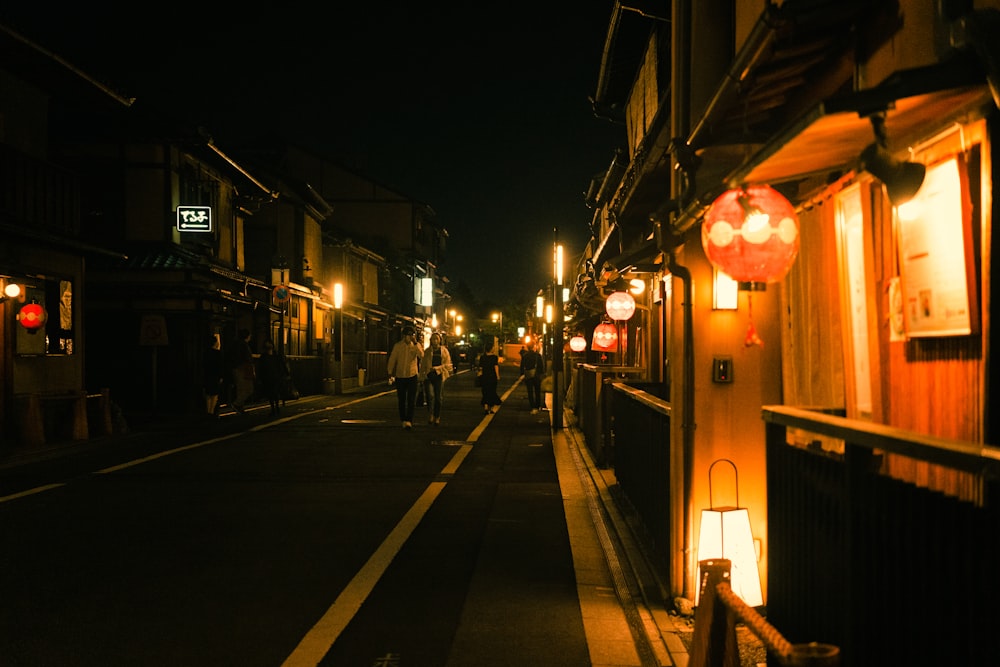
{"x":498,"y":317}
{"x":338,"y":304}
{"x":558,"y":323}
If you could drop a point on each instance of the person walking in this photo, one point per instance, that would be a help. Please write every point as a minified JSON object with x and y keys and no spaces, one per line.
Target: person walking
{"x":532,"y":370}
{"x":212,"y":368}
{"x":244,"y":374}
{"x":489,"y":364}
{"x":403,"y":369}
{"x":435,"y":368}
{"x":272,"y":376}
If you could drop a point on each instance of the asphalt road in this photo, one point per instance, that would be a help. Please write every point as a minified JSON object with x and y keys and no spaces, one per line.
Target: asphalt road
{"x":328,"y":536}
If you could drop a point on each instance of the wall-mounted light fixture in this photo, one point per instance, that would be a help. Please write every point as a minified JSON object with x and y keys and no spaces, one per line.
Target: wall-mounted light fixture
{"x":725,"y":533}
{"x":725,"y":291}
{"x":902,"y":179}
{"x":11,"y":290}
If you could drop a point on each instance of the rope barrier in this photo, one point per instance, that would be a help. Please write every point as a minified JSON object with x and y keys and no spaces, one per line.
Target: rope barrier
{"x":767,"y":633}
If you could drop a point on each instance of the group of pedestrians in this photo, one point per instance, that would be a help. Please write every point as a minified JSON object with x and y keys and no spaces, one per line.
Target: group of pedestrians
{"x":410,"y":367}
{"x":271,"y":370}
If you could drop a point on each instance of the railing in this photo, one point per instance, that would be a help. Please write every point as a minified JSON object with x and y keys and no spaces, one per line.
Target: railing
{"x":886,"y":570}
{"x":892,"y":573}
{"x":594,"y":409}
{"x":641,"y":436}
{"x":46,"y":417}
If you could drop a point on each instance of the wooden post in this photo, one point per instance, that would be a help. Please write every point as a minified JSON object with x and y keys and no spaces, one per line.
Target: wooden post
{"x":81,"y":430}
{"x":714,"y":643}
{"x":108,"y":427}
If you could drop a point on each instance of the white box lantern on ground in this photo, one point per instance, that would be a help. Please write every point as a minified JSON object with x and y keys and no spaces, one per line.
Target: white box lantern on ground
{"x":725,"y":533}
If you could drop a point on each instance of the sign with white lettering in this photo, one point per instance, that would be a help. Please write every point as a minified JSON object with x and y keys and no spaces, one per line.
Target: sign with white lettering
{"x":194,"y":218}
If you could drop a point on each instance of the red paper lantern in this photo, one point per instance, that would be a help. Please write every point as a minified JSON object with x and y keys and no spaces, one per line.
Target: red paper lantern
{"x":578,"y":343}
{"x":751,"y":234}
{"x":605,"y":338}
{"x":619,"y":306}
{"x":31,"y":316}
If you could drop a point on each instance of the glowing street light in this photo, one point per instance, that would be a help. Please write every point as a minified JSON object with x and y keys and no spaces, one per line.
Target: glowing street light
{"x":338,"y":304}
{"x":498,"y":318}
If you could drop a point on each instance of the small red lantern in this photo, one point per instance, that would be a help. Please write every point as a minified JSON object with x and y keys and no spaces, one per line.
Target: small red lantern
{"x":578,"y":343}
{"x":605,"y":338}
{"x":31,"y":316}
{"x":752,"y":234}
{"x":619,"y":306}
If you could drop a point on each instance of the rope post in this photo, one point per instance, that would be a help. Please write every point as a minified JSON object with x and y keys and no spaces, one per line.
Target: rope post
{"x":108,"y":427}
{"x":814,"y":655}
{"x":714,"y":643}
{"x":81,"y":429}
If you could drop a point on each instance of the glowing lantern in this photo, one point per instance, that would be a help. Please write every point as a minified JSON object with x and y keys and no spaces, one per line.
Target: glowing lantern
{"x":578,"y":343}
{"x":619,"y":306}
{"x":605,"y":338}
{"x":752,"y":234}
{"x":31,"y":316}
{"x":726,"y":533}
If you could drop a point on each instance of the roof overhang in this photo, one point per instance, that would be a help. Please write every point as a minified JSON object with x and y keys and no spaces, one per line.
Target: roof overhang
{"x":829,"y":138}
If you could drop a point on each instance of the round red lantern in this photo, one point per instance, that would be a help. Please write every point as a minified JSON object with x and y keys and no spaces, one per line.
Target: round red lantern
{"x":578,"y":343}
{"x":619,"y":306}
{"x":751,"y":234}
{"x":605,"y":338}
{"x":31,"y":316}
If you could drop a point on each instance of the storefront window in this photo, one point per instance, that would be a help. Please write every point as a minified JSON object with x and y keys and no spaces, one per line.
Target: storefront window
{"x":55,"y":334}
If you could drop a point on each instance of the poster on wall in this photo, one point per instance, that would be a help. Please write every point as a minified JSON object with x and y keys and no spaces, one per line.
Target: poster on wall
{"x":934,"y":256}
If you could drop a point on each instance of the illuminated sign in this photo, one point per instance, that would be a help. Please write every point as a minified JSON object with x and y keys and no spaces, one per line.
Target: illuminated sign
{"x":423,"y":293}
{"x":194,"y":218}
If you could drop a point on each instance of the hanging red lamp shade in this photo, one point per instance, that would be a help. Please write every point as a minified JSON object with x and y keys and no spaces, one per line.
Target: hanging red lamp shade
{"x":751,"y":234}
{"x":31,"y":316}
{"x":619,"y":306}
{"x":605,"y":338}
{"x":578,"y":343}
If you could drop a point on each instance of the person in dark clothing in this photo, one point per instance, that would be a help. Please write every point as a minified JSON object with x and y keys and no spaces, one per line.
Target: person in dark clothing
{"x":212,"y":368}
{"x":532,"y":370}
{"x":489,"y":363}
{"x":244,"y":374}
{"x":271,"y":367}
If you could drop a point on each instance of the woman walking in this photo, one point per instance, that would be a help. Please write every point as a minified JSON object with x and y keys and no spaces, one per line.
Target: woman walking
{"x":489,"y":364}
{"x":435,"y":367}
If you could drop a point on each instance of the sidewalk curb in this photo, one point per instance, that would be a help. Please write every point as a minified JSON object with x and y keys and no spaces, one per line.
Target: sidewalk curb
{"x":652,"y":591}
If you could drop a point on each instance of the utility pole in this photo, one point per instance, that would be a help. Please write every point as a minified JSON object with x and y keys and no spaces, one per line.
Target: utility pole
{"x":558,"y":322}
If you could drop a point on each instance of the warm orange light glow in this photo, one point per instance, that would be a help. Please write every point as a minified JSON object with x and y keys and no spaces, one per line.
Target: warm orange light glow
{"x":725,"y":533}
{"x":605,"y":338}
{"x":620,"y":306}
{"x":752,"y":234}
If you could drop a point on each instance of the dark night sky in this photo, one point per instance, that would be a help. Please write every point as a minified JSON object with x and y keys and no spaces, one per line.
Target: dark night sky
{"x":482,"y":112}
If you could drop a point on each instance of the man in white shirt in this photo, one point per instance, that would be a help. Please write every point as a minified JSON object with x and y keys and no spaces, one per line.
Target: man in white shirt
{"x":404,"y":365}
